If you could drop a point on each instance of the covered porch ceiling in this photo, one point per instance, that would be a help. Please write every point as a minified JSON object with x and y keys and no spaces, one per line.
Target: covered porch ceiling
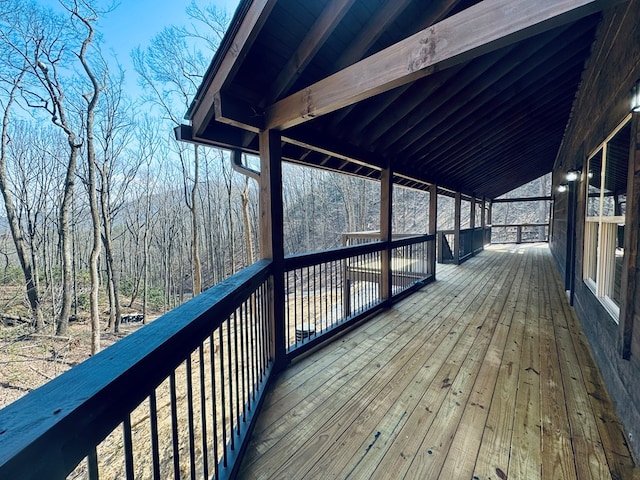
{"x":470,"y":95}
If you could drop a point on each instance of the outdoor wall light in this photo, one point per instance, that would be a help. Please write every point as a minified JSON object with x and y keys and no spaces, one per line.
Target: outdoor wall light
{"x":573,"y":175}
{"x":563,"y":187}
{"x":635,"y":98}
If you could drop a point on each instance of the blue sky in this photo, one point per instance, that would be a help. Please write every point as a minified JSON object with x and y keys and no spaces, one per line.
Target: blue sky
{"x":134,"y":22}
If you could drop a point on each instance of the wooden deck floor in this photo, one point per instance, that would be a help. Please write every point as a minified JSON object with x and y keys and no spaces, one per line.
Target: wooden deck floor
{"x":484,"y":374}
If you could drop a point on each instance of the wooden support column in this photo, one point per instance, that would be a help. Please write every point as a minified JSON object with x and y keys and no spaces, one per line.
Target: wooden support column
{"x":483,"y":216}
{"x":489,"y":218}
{"x":433,"y":226}
{"x":472,"y":214}
{"x":433,"y":209}
{"x":629,"y":341}
{"x":456,"y":229}
{"x":472,"y":225}
{"x":386,"y":212}
{"x":271,"y":236}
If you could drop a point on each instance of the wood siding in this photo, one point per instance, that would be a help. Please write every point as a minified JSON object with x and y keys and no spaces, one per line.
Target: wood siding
{"x":601,"y":103}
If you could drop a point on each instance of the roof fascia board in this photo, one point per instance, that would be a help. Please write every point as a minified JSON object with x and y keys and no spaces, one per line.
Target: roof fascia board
{"x":245,"y":35}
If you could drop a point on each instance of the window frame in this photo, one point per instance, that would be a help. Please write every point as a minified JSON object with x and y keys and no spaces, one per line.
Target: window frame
{"x":597,"y":241}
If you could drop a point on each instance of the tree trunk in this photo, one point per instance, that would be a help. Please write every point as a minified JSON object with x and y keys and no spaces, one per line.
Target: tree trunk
{"x":195,"y":249}
{"x":14,"y":224}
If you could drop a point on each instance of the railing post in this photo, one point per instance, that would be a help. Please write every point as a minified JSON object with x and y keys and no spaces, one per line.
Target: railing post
{"x":519,"y":234}
{"x":490,"y":220}
{"x":472,"y":224}
{"x":386,"y":202}
{"x":483,"y":221}
{"x":456,"y":229}
{"x":433,"y":227}
{"x":271,"y":237}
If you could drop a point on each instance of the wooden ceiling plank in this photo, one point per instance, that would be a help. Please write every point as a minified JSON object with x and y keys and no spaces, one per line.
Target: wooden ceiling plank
{"x":247,"y":33}
{"x":376,"y":121}
{"x":368,"y":36}
{"x":455,"y":93}
{"x":538,"y":62}
{"x":434,"y":12}
{"x":537,"y":68}
{"x":484,"y":27}
{"x":484,"y":125}
{"x":310,"y":45}
{"x":535,"y":142}
{"x":536,"y":121}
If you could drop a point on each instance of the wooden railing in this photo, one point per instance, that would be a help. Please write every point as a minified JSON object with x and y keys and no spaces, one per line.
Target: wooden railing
{"x":472,"y":241}
{"x":520,"y":233}
{"x":178,"y":398}
{"x":328,"y":291}
{"x":175,"y":399}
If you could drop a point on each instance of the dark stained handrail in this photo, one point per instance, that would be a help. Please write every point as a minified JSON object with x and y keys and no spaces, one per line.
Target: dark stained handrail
{"x":46,"y":433}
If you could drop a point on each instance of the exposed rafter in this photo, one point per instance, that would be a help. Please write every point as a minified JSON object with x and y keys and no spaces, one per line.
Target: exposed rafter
{"x":305,"y":52}
{"x":484,"y":27}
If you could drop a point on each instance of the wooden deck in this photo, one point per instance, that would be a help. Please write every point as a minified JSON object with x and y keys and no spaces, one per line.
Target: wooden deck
{"x":484,"y":374}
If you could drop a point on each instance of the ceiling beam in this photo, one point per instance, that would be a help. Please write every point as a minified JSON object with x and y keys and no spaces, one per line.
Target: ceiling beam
{"x":479,"y":29}
{"x":250,"y":27}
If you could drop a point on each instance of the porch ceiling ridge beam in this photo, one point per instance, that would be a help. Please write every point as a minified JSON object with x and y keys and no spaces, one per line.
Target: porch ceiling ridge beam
{"x":482,"y":28}
{"x":250,"y":27}
{"x":313,"y":41}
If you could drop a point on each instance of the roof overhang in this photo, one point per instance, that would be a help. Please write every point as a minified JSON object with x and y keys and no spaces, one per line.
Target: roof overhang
{"x":473,"y":96}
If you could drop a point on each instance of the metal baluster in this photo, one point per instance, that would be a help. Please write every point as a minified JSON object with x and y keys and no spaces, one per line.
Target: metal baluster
{"x":92,"y":464}
{"x":174,"y":425}
{"x":203,"y":412}
{"x":190,"y":420}
{"x":153,"y":416}
{"x":223,"y":400}
{"x":128,"y":447}
{"x":214,"y":404}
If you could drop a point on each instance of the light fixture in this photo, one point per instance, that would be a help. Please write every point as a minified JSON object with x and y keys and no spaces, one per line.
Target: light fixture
{"x":635,"y":98}
{"x":590,"y":174}
{"x":563,"y":187}
{"x":573,"y":175}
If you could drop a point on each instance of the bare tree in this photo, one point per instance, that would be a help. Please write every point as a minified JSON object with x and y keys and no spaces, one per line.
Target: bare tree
{"x":171,"y":72}
{"x":25,"y":255}
{"x":117,"y":171}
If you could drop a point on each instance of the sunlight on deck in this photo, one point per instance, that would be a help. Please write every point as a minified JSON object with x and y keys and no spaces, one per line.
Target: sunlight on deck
{"x":483,"y":374}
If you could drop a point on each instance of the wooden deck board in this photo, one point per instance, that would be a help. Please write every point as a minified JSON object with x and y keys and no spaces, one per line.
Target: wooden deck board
{"x":483,"y":374}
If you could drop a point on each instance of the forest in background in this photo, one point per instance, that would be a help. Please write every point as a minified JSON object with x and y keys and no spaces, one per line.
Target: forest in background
{"x":106,"y":213}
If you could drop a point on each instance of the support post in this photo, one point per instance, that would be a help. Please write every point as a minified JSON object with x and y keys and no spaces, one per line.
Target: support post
{"x":472,"y":218}
{"x":271,"y":237}
{"x":386,"y":214}
{"x":472,"y":224}
{"x":456,"y":229}
{"x":483,"y":220}
{"x":433,"y":227}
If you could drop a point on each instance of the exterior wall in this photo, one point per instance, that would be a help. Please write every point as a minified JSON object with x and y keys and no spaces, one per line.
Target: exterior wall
{"x":602,"y":102}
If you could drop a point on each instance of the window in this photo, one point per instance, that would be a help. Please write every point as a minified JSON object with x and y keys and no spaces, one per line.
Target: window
{"x":605,"y":218}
